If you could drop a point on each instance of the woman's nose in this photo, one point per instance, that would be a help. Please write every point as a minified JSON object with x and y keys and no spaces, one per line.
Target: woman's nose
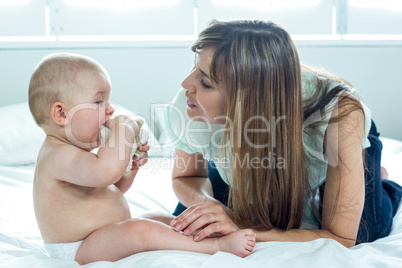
{"x":188,"y":82}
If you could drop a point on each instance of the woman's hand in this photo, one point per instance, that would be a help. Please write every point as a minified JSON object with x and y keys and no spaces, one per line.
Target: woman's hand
{"x":210,"y":217}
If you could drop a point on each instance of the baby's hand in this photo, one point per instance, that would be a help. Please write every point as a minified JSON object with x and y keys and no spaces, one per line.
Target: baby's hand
{"x":123,"y":120}
{"x":143,"y":159}
{"x":140,"y":147}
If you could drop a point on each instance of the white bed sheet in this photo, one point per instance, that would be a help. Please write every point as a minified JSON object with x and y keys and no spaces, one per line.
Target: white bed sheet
{"x":22,"y":246}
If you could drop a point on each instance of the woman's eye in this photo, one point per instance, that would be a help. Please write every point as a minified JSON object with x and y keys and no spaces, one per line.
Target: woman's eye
{"x":205,"y":85}
{"x":99,"y":102}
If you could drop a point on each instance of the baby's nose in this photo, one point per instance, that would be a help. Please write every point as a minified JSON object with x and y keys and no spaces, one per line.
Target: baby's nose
{"x":110,"y":109}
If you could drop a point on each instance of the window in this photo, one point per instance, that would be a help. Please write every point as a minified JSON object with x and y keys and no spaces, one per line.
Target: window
{"x":297,"y":17}
{"x":167,"y":22}
{"x":22,"y":18}
{"x":375,"y":17}
{"x":150,"y":17}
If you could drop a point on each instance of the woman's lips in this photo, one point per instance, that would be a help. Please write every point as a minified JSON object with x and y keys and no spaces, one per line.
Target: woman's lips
{"x":190,"y":104}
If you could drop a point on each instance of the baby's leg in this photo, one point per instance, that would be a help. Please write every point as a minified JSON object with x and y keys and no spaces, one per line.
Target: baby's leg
{"x":157,"y":216}
{"x":120,"y":240}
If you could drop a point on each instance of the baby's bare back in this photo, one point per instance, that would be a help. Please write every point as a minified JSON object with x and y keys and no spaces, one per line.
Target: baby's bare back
{"x":68,"y":213}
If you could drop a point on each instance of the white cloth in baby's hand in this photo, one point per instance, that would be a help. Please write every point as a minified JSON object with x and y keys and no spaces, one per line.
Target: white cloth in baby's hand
{"x":141,"y":139}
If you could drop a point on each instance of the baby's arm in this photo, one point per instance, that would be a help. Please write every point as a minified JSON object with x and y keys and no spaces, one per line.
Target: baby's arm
{"x":116,"y":152}
{"x":125,"y":183}
{"x":140,"y":140}
{"x":84,"y":168}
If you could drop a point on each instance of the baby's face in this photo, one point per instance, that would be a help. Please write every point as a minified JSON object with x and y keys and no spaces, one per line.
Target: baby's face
{"x":89,"y":110}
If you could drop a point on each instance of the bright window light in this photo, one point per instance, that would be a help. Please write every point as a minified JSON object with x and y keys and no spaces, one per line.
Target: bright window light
{"x":266,"y":4}
{"x":334,"y":20}
{"x":390,"y":4}
{"x":124,"y":38}
{"x":307,"y":37}
{"x":13,"y":2}
{"x":372,"y":37}
{"x":121,"y":4}
{"x":28,"y":39}
{"x":47,"y":21}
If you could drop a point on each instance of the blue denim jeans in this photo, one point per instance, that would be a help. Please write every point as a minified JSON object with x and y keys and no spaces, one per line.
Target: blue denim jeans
{"x":382,"y":197}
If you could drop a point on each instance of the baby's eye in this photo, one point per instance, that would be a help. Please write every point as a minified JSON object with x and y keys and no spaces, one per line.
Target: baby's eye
{"x":100,"y":102}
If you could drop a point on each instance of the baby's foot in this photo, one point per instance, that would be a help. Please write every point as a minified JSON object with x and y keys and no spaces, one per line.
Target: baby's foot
{"x":240,"y":243}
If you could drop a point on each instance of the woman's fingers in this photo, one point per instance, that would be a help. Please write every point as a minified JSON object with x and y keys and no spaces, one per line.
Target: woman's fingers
{"x":202,"y":222}
{"x":223,"y":227}
{"x":175,"y":222}
{"x":208,"y":217}
{"x":187,"y":217}
{"x":207,"y":231}
{"x":193,"y":213}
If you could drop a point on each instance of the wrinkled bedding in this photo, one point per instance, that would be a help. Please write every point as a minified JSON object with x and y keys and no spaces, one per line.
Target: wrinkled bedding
{"x":22,"y":246}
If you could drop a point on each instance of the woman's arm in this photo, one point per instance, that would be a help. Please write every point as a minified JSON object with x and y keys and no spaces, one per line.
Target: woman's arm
{"x":190,"y":178}
{"x":194,"y":190}
{"x":344,"y":187}
{"x":343,"y":198}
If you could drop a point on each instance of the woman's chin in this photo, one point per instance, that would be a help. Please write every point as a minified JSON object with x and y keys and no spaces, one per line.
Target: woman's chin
{"x":205,"y":119}
{"x":193,"y":115}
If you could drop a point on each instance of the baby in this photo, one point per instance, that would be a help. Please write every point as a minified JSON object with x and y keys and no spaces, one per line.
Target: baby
{"x":78,"y":195}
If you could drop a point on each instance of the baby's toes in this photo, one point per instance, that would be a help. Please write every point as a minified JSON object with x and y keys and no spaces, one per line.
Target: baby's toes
{"x":247,"y":251}
{"x":250,"y":249}
{"x":250,"y":235}
{"x":248,"y":232}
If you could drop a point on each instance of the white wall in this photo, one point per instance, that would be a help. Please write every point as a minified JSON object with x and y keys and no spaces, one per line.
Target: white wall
{"x":375,"y":71}
{"x":140,"y":76}
{"x":148,"y":69}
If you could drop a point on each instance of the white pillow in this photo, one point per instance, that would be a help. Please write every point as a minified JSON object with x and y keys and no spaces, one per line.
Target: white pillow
{"x":20,"y":137}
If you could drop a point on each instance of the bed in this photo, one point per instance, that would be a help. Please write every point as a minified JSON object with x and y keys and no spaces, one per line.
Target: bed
{"x":22,"y":246}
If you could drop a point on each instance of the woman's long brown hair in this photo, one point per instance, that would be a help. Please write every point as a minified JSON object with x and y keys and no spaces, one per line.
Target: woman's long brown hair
{"x":258,"y":64}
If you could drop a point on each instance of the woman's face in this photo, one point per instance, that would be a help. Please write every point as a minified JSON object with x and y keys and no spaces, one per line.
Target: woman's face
{"x":206,"y":101}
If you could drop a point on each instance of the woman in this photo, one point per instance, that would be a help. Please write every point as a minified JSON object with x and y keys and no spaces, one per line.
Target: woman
{"x":297,"y":155}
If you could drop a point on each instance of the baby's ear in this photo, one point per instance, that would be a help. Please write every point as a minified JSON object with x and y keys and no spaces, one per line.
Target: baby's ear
{"x":59,"y":113}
